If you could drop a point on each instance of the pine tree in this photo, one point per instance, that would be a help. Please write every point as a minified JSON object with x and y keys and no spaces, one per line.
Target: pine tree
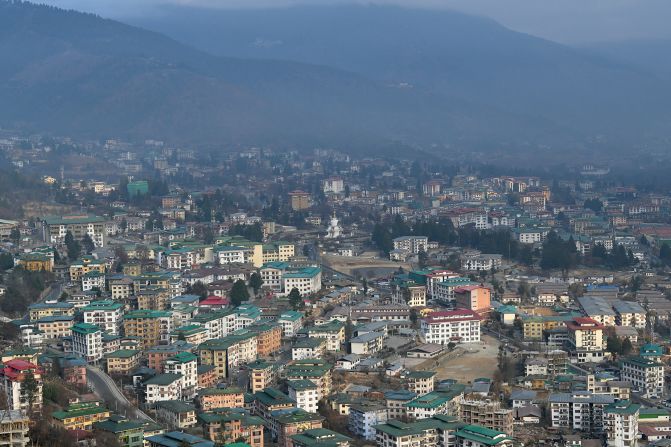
{"x":255,"y":282}
{"x":74,"y":249}
{"x":239,"y":293}
{"x":295,"y":299}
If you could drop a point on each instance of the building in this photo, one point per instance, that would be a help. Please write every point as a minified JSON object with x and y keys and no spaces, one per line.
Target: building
{"x":479,"y":262}
{"x":55,"y":228}
{"x":230,"y":425}
{"x":486,"y":413}
{"x":320,"y":437}
{"x":300,"y":200}
{"x":412,"y":244}
{"x":14,"y":426}
{"x":308,"y":348}
{"x":212,"y":398}
{"x":80,"y":416}
{"x":106,"y":314}
{"x":315,"y":370}
{"x":286,"y":423}
{"x":87,"y":342}
{"x":184,"y":364}
{"x":93,"y":281}
{"x":38,"y":311}
{"x":291,"y":322}
{"x":176,"y":414}
{"x":13,"y":377}
{"x":454,"y":326}
{"x":333,"y":185}
{"x":177,"y":438}
{"x":36,"y":262}
{"x":123,"y":361}
{"x":582,"y":411}
{"x":152,"y":327}
{"x":629,"y":313}
{"x":333,"y":332}
{"x":438,"y":431}
{"x":477,"y":436}
{"x":307,"y":281}
{"x":621,"y":423}
{"x":305,"y":393}
{"x":261,"y":375}
{"x":436,"y":402}
{"x":368,"y":343}
{"x":128,"y":433}
{"x":646,"y":375}
{"x":475,"y":298}
{"x":164,"y":386}
{"x":363,"y":417}
{"x":86,"y":264}
{"x":419,"y":382}
{"x":585,"y":339}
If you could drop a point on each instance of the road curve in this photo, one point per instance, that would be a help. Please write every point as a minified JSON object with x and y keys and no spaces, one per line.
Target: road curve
{"x":105,"y":388}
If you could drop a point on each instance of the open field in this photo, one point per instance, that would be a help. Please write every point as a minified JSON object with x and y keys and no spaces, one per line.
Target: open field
{"x":474,"y":361}
{"x":368,"y":267}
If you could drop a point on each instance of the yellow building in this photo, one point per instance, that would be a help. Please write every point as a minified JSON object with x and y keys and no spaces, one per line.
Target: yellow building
{"x":80,"y":416}
{"x":151,"y":326}
{"x":56,"y":326}
{"x":85,"y":265}
{"x":534,"y":326}
{"x":38,"y":311}
{"x":36,"y":262}
{"x":300,"y":200}
{"x":122,"y":361}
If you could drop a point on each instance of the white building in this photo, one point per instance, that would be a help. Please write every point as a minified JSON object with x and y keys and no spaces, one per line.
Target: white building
{"x":163,"y":387}
{"x":621,"y":423}
{"x":413,"y":244}
{"x":308,"y":348}
{"x":454,"y":326}
{"x":478,"y":262}
{"x":87,"y":342}
{"x":184,"y":364}
{"x":364,"y":417}
{"x":106,"y":314}
{"x":334,"y":185}
{"x":230,"y":255}
{"x":305,"y":393}
{"x":93,"y":280}
{"x":581,"y":411}
{"x":368,"y":343}
{"x":585,"y":339}
{"x":645,"y":374}
{"x":291,"y":322}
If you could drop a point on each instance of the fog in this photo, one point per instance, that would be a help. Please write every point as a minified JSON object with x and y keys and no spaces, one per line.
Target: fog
{"x":566,"y":21}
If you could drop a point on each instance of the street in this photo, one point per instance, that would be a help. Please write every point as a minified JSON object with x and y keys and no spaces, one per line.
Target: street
{"x":105,"y":388}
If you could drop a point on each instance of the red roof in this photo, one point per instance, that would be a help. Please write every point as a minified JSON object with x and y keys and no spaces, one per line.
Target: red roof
{"x":214,"y":300}
{"x":14,"y":369}
{"x":583,"y":323}
{"x":451,"y":315}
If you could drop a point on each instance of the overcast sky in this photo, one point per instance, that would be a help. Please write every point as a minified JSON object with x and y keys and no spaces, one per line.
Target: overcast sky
{"x":568,"y":21}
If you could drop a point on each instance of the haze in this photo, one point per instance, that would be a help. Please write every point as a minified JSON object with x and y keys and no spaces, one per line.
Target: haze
{"x":567,"y":21}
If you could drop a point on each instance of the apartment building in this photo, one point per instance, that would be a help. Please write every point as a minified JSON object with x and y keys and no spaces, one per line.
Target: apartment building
{"x":437,"y":431}
{"x":621,"y":423}
{"x":261,"y":375}
{"x":487,"y":413}
{"x":86,"y":264}
{"x":231,"y":425}
{"x":475,"y":298}
{"x":364,"y":417}
{"x":315,"y":370}
{"x":87,"y":342}
{"x":412,"y":244}
{"x":213,"y":398}
{"x":54,"y":228}
{"x":164,"y":386}
{"x":122,"y":361}
{"x":455,"y":326}
{"x":152,"y":327}
{"x":646,"y":375}
{"x":186,"y":365}
{"x":305,"y":393}
{"x":80,"y":416}
{"x":419,"y":382}
{"x":13,"y":375}
{"x":308,"y":348}
{"x":106,"y":314}
{"x":582,"y":411}
{"x":291,"y":322}
{"x":585,"y":339}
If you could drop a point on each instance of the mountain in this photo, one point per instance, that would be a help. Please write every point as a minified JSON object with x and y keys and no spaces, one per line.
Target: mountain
{"x":649,"y":55}
{"x":71,"y":73}
{"x":446,"y":53}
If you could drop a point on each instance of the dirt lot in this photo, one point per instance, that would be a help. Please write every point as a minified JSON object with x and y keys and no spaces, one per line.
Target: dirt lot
{"x":363,"y":265}
{"x":473,"y":363}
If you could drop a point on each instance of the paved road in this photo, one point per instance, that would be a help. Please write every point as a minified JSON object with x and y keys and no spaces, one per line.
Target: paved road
{"x":105,"y":388}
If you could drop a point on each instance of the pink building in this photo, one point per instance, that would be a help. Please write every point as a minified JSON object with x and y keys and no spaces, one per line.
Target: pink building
{"x":475,"y":298}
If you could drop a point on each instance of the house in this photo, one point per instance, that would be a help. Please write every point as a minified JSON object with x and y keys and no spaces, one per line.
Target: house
{"x":425,"y":351}
{"x":128,"y":433}
{"x":80,"y":416}
{"x":13,"y":376}
{"x":123,"y":361}
{"x":164,"y":386}
{"x":363,"y":417}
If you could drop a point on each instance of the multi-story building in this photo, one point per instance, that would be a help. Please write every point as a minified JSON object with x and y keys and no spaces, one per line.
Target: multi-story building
{"x":396,"y":403}
{"x":219,"y":324}
{"x":479,"y":262}
{"x":87,"y":342}
{"x":212,"y":398}
{"x":305,"y":393}
{"x":621,"y":423}
{"x":261,"y":375}
{"x":368,"y":343}
{"x":436,"y":402}
{"x":454,"y":326}
{"x":54,"y":229}
{"x":320,"y":437}
{"x":307,"y":281}
{"x":646,"y":375}
{"x":14,"y":426}
{"x":164,"y":386}
{"x":38,"y":311}
{"x":629,"y":313}
{"x":152,"y":327}
{"x":334,"y":185}
{"x":437,"y":431}
{"x":412,"y":244}
{"x":315,"y":370}
{"x":300,"y":200}
{"x":80,"y":416}
{"x":36,"y":262}
{"x":364,"y":417}
{"x":286,"y":423}
{"x":291,"y":322}
{"x":475,"y":298}
{"x":270,"y":400}
{"x":13,"y":377}
{"x":419,"y":382}
{"x":55,"y":327}
{"x":229,"y":426}
{"x":585,"y":339}
{"x":581,"y":411}
{"x":121,"y":288}
{"x":93,"y":281}
{"x":487,"y":413}
{"x":128,"y":433}
{"x":333,"y":332}
{"x":86,"y":264}
{"x":122,"y":361}
{"x":176,"y":414}
{"x":193,"y":334}
{"x":106,"y":314}
{"x":477,"y":436}
{"x":186,"y":365}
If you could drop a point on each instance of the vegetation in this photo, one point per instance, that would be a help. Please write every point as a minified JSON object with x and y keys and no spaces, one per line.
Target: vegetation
{"x":295,"y":299}
{"x":239,"y":293}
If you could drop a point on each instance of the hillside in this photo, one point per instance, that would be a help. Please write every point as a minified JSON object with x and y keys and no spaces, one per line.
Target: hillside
{"x":446,"y":53}
{"x":71,"y":73}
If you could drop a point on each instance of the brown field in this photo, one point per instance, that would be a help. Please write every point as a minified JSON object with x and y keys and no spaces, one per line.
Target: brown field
{"x":474,"y":361}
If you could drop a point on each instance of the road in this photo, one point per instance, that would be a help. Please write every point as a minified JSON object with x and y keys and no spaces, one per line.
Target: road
{"x":105,"y":388}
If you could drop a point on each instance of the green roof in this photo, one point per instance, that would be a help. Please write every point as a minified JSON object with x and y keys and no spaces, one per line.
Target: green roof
{"x":622,"y":407}
{"x":79,"y":409}
{"x":302,"y":384}
{"x":66,"y":220}
{"x":184,"y":357}
{"x":102,"y":305}
{"x":219,"y":391}
{"x":321,"y":437}
{"x":482,"y":435}
{"x":308,"y":368}
{"x":271,"y":396}
{"x":146,"y":313}
{"x":123,"y":353}
{"x":309,"y":342}
{"x":397,"y":428}
{"x":163,"y":379}
{"x":118,"y":424}
{"x":176,"y":406}
{"x":85,"y":328}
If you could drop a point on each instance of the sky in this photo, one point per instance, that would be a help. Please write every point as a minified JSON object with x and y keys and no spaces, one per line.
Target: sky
{"x":565,"y":21}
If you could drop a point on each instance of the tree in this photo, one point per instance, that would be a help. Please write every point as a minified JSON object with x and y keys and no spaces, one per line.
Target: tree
{"x":6,"y":261}
{"x":626,"y":347}
{"x":613,"y":345}
{"x":74,"y":249}
{"x":665,"y":253}
{"x":208,"y":236}
{"x":595,"y":205}
{"x":197,"y":288}
{"x":15,"y":236}
{"x":88,"y":244}
{"x":239,"y":293}
{"x":255,"y":282}
{"x":29,"y":390}
{"x":295,"y":299}
{"x":364,"y":284}
{"x":422,"y":258}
